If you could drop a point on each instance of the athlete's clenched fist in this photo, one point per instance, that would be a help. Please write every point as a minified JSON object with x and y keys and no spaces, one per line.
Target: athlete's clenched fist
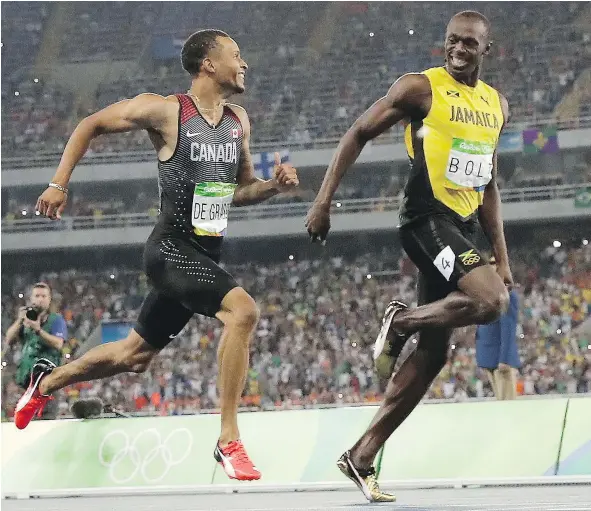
{"x":285,"y":175}
{"x":318,"y":222}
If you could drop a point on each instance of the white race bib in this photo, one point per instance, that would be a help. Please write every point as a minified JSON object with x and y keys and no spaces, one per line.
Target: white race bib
{"x":469,"y":165}
{"x":211,"y":205}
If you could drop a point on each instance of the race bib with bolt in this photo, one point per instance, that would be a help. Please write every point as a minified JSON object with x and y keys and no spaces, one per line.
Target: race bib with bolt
{"x":469,"y":165}
{"x":211,"y":205}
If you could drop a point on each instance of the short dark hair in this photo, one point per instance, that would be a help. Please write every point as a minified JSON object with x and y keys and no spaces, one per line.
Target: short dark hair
{"x":42,"y":285}
{"x":197,"y":47}
{"x":475,"y":16}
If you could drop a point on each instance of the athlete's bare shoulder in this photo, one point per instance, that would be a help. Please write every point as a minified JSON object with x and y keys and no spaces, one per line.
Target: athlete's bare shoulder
{"x":411,"y":93}
{"x":144,"y":111}
{"x":153,"y":107}
{"x":418,"y":81}
{"x":172,"y":99}
{"x":409,"y":98}
{"x":157,"y":101}
{"x":163,"y":111}
{"x":153,"y":98}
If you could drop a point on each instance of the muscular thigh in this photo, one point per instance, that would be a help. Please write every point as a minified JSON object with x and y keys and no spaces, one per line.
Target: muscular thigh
{"x":180,"y":272}
{"x":185,"y":282}
{"x":442,"y":251}
{"x":161,"y":319}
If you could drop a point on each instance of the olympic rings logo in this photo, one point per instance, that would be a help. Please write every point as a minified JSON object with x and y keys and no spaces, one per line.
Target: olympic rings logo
{"x":146,"y":454}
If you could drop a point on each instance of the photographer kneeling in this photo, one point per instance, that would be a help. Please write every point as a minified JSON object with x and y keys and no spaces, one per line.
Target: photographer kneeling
{"x":42,"y":333}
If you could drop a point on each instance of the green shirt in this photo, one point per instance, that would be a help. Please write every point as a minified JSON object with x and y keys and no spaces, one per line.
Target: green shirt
{"x":35,"y":348}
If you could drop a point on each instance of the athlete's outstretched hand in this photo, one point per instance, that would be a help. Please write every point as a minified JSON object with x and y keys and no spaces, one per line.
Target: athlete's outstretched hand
{"x":318,"y":222}
{"x":285,"y":175}
{"x":52,"y":203}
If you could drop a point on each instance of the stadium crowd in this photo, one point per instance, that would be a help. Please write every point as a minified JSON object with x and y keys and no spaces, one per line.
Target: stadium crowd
{"x":307,"y":82}
{"x":141,"y":197}
{"x":313,"y":344}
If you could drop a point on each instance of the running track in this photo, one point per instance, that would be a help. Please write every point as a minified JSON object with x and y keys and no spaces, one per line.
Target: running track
{"x":531,"y":498}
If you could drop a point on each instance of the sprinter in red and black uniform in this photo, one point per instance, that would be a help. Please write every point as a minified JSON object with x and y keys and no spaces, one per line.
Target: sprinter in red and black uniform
{"x":204,"y":168}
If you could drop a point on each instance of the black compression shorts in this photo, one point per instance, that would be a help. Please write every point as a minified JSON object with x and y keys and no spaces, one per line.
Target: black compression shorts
{"x":443,"y":250}
{"x":185,"y":282}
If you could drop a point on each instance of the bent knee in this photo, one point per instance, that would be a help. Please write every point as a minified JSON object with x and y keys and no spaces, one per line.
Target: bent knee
{"x":494,"y":305}
{"x":241,"y":310}
{"x":247,"y":316}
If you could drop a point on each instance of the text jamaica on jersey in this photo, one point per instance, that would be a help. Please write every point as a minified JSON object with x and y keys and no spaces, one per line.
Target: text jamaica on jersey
{"x":475,"y":117}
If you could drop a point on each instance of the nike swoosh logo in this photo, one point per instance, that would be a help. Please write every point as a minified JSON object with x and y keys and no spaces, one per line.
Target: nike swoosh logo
{"x":189,"y":134}
{"x":171,"y":336}
{"x":22,"y":402}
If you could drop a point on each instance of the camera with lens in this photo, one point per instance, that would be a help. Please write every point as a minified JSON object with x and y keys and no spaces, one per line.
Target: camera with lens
{"x":32,"y":313}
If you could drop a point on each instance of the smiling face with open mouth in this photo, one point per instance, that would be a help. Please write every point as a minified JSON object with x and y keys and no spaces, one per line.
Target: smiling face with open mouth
{"x":466,"y":43}
{"x":230,"y":67}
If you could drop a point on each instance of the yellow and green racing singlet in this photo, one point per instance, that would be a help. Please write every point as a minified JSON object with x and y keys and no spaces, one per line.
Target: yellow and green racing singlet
{"x":451,"y":149}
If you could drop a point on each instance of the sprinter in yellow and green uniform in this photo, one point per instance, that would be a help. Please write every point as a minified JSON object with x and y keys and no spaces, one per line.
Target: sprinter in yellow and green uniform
{"x":451,"y":149}
{"x":453,"y":121}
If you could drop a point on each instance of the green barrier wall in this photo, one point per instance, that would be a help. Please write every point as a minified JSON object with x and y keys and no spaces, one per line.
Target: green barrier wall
{"x":486,"y":439}
{"x":575,"y":457}
{"x":492,"y":439}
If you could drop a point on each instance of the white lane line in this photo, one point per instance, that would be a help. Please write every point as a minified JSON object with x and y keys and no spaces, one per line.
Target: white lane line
{"x":367,"y":506}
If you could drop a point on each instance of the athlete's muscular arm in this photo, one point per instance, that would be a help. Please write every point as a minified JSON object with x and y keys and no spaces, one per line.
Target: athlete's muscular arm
{"x":490,"y":218}
{"x":251,"y":189}
{"x":408,"y":98}
{"x":146,"y":111}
